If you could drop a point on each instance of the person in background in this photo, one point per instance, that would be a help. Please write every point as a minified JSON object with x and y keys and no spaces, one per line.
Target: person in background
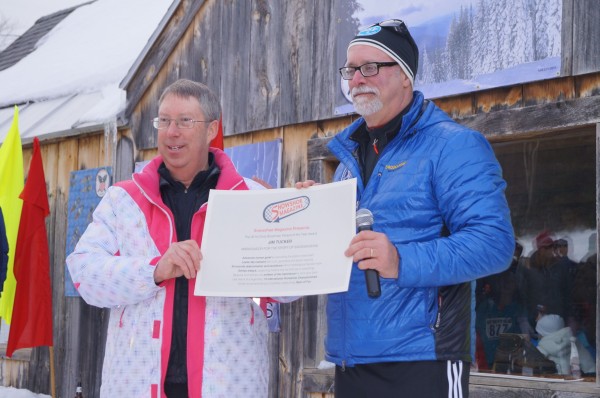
{"x":561,"y":250}
{"x":441,"y":221}
{"x":140,"y":257}
{"x":544,"y":285}
{"x":501,"y":288}
{"x":585,"y":291}
{"x":3,"y":251}
{"x":561,"y":247}
{"x":497,"y":308}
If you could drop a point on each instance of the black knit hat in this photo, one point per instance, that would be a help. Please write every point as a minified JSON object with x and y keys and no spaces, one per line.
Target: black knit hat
{"x":393,"y":38}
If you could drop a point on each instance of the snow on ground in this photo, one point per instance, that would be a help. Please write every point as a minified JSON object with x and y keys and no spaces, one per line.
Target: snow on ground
{"x":11,"y":392}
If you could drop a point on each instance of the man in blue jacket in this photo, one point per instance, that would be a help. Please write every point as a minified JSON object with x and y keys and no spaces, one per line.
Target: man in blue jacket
{"x":441,"y":221}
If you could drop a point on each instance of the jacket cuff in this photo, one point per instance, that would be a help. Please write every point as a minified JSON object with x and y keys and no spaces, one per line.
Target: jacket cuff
{"x":153,"y":263}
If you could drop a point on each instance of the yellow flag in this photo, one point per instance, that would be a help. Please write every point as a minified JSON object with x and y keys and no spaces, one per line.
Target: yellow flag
{"x":11,"y":185}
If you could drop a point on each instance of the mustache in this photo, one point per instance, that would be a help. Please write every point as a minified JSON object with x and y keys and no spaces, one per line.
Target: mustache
{"x":364,"y":90}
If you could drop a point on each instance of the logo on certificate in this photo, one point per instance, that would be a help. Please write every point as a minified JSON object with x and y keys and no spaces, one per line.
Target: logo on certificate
{"x":279,"y":210}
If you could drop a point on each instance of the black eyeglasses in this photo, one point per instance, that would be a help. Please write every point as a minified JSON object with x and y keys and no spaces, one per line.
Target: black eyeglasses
{"x":368,"y":69}
{"x":396,"y":24}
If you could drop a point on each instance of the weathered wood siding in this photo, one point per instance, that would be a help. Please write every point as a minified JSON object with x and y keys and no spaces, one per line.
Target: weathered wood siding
{"x":273,"y":64}
{"x":79,"y":330}
{"x":581,"y":28}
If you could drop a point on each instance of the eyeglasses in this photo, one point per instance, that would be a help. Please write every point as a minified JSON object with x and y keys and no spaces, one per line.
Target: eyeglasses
{"x":182,"y":123}
{"x":367,"y":70}
{"x":396,"y":24}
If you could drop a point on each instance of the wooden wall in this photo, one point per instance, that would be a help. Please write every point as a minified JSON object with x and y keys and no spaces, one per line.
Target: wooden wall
{"x":273,"y":64}
{"x":79,"y":330}
{"x":580,"y":47}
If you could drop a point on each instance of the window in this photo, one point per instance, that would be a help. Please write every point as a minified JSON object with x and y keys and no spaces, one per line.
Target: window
{"x":527,"y":314}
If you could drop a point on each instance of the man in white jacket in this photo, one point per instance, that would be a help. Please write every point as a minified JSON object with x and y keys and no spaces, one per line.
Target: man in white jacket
{"x":140,"y":257}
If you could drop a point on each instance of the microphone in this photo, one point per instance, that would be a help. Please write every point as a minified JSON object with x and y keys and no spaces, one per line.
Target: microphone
{"x":364,"y":222}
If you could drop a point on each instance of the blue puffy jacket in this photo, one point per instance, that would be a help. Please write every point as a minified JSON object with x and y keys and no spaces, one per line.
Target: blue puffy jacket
{"x":434,"y":176}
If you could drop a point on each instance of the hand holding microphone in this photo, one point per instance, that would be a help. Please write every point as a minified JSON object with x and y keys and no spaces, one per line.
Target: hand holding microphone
{"x":364,"y":222}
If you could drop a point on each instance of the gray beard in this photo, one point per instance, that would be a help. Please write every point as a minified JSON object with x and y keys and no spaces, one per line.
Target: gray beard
{"x":369,"y":107}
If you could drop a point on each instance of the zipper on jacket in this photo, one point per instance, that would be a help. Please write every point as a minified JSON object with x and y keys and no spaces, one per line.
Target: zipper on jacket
{"x":438,"y":319}
{"x":166,"y":213}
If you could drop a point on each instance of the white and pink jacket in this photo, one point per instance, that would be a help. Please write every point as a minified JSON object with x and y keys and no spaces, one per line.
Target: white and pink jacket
{"x":112,"y":266}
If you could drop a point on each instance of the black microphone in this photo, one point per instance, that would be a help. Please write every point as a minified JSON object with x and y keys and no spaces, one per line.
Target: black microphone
{"x":364,"y":222}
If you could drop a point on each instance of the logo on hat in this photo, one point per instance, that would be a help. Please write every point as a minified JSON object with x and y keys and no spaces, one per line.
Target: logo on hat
{"x":371,"y":31}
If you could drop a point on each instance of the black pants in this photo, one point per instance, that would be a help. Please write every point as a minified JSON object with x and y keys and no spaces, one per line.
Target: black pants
{"x":176,"y":390}
{"x":425,"y":379}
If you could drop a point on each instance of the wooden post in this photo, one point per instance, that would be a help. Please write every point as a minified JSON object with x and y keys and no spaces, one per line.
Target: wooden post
{"x":52,"y":379}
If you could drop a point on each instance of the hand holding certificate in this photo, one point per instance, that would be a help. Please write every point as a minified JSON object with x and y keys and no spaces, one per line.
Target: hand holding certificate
{"x":278,"y":242}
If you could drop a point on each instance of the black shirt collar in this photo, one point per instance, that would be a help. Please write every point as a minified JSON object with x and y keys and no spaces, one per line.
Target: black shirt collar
{"x":167,"y":180}
{"x":365,"y":135}
{"x":372,"y":141}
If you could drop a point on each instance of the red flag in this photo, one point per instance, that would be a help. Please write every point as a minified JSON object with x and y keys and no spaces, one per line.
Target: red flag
{"x":31,"y":324}
{"x":217,"y":142}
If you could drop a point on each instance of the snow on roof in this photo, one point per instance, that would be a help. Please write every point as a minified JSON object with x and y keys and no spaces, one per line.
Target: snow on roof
{"x":27,"y":42}
{"x":79,"y":63}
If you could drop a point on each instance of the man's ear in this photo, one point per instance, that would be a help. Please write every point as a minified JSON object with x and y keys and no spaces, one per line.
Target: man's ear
{"x":406,"y":81}
{"x":213,"y":129}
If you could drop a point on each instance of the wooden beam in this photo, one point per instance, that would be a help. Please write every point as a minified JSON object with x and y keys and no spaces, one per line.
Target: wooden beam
{"x":536,"y":119}
{"x":317,"y":149}
{"x":508,"y":123}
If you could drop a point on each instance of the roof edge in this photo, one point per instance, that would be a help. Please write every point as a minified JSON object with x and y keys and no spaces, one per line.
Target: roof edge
{"x":142,"y":56}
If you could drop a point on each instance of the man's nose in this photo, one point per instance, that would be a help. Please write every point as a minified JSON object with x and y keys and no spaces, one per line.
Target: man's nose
{"x":358,"y":78}
{"x":172,"y":129}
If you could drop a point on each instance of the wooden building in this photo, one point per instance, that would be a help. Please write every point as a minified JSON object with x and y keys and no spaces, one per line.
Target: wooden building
{"x":274,"y":66}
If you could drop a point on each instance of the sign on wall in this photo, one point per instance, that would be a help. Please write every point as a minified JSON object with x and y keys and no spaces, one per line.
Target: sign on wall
{"x":86,"y":189}
{"x":470,"y":45}
{"x":262,"y":160}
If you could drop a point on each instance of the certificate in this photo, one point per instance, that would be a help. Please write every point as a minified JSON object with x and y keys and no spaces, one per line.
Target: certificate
{"x":278,"y":242}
